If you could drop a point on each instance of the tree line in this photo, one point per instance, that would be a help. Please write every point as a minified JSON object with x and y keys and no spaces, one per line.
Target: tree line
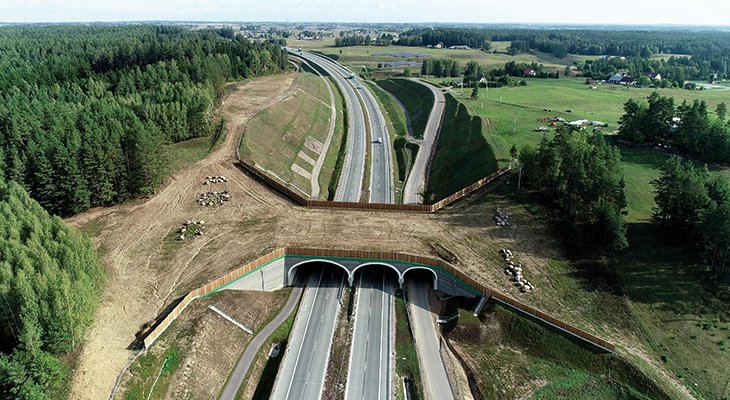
{"x":710,"y":50}
{"x":87,"y":110}
{"x":50,"y":283}
{"x":695,"y":203}
{"x":688,"y":127}
{"x":580,"y":175}
{"x":674,"y":71}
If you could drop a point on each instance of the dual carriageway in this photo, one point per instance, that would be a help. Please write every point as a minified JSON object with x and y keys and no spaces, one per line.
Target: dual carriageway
{"x":371,"y":367}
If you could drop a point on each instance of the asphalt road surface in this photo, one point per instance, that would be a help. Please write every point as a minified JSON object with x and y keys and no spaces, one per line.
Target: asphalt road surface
{"x":303,"y":370}
{"x":370,"y":371}
{"x":249,"y":355}
{"x":415,"y":182}
{"x":381,"y":167}
{"x":433,"y":373}
{"x":349,"y":187}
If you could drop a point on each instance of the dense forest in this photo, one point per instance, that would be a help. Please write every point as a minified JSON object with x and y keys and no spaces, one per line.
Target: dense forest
{"x":86,"y":110}
{"x":689,"y":127}
{"x":709,"y":52}
{"x":580,"y":174}
{"x":50,"y":282}
{"x":696,"y":204}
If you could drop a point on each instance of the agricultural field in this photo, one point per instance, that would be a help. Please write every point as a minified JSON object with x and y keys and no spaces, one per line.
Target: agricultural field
{"x":286,"y":140}
{"x":652,"y":291}
{"x":370,"y":56}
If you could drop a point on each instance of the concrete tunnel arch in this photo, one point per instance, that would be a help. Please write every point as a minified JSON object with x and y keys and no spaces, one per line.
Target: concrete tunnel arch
{"x":431,"y":270}
{"x":292,"y":271}
{"x":376,"y":263}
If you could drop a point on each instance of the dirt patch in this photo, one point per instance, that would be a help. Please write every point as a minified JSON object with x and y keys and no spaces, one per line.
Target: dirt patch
{"x":146,"y":270}
{"x":313,"y":144}
{"x":209,"y":345}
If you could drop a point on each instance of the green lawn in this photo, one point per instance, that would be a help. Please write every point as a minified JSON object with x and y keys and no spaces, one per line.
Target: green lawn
{"x":182,"y":154}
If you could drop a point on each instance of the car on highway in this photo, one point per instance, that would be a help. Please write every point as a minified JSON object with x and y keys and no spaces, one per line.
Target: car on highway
{"x":378,"y":140}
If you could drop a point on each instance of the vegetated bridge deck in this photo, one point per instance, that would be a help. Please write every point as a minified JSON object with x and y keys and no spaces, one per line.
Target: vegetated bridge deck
{"x":272,"y":271}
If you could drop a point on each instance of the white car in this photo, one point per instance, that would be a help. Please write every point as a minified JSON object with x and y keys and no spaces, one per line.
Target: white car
{"x":379,"y":140}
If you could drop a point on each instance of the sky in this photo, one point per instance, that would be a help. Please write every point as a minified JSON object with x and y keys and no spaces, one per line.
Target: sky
{"x":642,"y":12}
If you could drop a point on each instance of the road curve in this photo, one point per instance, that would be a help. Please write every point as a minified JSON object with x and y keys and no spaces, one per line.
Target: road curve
{"x":381,"y":166}
{"x":249,"y":355}
{"x":415,"y":182}
{"x":349,"y":187}
{"x":433,"y":372}
{"x":369,"y":373}
{"x":303,"y":370}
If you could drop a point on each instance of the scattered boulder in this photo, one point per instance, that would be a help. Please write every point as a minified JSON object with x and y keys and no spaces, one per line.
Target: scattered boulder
{"x":215,"y":179}
{"x":191,"y":228}
{"x":500,"y":217}
{"x":210,"y":199}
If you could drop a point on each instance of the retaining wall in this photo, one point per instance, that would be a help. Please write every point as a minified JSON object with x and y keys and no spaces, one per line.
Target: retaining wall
{"x":219,"y":283}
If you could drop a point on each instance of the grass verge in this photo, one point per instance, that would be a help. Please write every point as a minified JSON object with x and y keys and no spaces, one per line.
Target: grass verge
{"x":267,"y":378}
{"x":515,"y":357}
{"x":145,"y":371}
{"x":406,"y":358}
{"x":416,"y":98}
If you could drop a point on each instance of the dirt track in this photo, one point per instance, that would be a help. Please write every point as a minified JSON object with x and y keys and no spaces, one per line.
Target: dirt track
{"x":147,"y":268}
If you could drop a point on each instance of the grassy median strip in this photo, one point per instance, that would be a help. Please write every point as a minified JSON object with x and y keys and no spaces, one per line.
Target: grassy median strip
{"x":406,"y":357}
{"x":416,"y":98}
{"x":337,"y":151}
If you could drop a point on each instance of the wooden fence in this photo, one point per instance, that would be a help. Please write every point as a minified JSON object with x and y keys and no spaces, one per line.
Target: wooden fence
{"x":423,"y":208}
{"x":366,"y":255}
{"x":207,"y":288}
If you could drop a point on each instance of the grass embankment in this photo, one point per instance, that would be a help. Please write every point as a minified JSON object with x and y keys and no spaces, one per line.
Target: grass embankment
{"x":287,"y":138}
{"x":271,"y":367}
{"x":329,"y":177}
{"x":145,"y":370}
{"x":406,"y":358}
{"x":396,"y":121}
{"x":463,"y":154}
{"x":415,"y":98}
{"x":515,"y":357}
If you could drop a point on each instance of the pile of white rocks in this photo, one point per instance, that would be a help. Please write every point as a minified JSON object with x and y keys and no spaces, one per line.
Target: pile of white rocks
{"x":500,"y":217}
{"x":514,"y":270}
{"x":210,"y":199}
{"x":191,"y":228}
{"x":215,"y":179}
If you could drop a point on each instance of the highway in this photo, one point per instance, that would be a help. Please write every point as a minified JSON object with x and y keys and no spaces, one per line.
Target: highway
{"x":433,"y":373}
{"x":370,"y":370}
{"x":356,"y":95}
{"x":415,"y":182}
{"x":349,"y":187}
{"x":303,"y":370}
{"x":381,"y":166}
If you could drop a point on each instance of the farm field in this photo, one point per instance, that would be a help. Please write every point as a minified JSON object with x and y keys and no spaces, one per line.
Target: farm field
{"x":370,"y":56}
{"x":285,"y":140}
{"x":679,"y":322}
